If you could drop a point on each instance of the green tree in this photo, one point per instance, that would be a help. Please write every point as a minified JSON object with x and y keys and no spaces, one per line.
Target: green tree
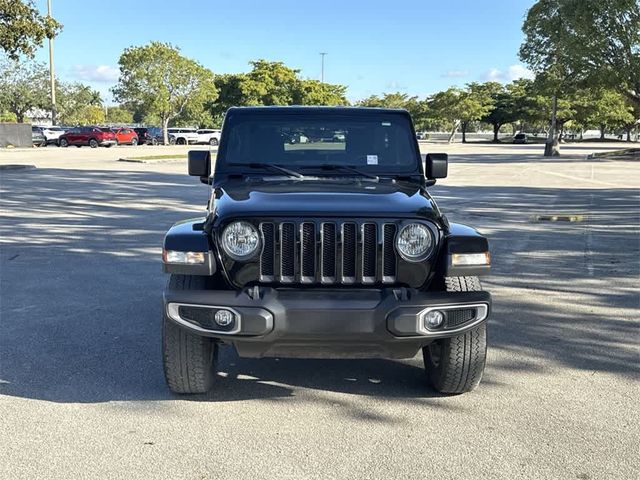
{"x":314,"y":92}
{"x":23,"y":87}
{"x":269,"y":83}
{"x":596,"y":41}
{"x":504,"y":109}
{"x":7,"y":117}
{"x":230,"y":94}
{"x":118,"y":114}
{"x":78,"y":104}
{"x":272,"y":83}
{"x":461,"y":107}
{"x":609,"y":110}
{"x":583,"y":43}
{"x":23,"y":28}
{"x":159,"y":81}
{"x":419,"y":110}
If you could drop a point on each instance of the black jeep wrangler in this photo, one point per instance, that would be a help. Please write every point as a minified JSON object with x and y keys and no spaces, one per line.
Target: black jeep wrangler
{"x":327,"y":247}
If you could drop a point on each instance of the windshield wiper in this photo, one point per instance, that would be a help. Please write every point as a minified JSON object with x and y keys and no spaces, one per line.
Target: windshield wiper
{"x":278,"y":168}
{"x":346,"y":168}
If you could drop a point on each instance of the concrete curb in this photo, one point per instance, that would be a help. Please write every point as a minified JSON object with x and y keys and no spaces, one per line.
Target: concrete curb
{"x":158,"y":160}
{"x":16,"y":167}
{"x":615,"y":153}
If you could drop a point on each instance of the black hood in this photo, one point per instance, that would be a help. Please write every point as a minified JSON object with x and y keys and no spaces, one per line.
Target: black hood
{"x":323,"y":198}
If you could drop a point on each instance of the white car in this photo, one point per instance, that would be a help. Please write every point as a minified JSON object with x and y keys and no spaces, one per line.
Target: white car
{"x":209,"y":135}
{"x":51,"y":133}
{"x":183,"y":136}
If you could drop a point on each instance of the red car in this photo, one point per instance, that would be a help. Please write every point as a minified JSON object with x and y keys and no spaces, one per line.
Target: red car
{"x":125,"y":136}
{"x":92,"y":136}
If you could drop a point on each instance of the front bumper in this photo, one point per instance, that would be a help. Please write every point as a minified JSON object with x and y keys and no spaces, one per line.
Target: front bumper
{"x":326,"y":323}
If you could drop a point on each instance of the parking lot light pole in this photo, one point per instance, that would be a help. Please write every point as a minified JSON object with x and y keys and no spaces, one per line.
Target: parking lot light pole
{"x":322,"y":54}
{"x":52,"y":76}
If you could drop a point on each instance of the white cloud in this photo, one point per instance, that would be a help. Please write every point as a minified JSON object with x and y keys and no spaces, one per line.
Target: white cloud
{"x":96,"y":73}
{"x":455,"y":73}
{"x":512,"y":73}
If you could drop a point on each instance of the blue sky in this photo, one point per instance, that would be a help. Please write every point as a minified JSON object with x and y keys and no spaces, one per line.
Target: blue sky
{"x":373,"y":46}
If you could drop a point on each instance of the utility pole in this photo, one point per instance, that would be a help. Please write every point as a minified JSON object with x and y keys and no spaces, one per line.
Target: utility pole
{"x":322,"y":54}
{"x":52,"y":75}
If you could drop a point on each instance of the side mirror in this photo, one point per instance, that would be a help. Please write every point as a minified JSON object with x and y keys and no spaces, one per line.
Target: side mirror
{"x":436,"y":165}
{"x":200,"y":164}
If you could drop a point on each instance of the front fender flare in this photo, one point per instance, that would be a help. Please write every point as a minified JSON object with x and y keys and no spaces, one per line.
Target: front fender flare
{"x":190,"y":236}
{"x":461,"y":238}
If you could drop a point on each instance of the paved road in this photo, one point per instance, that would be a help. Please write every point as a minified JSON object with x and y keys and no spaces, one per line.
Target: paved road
{"x":81,"y":387}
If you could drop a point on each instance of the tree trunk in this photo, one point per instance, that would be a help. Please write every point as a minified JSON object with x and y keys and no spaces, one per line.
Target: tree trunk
{"x":602,"y":127}
{"x":628,"y":135}
{"x":551,"y":147}
{"x":165,"y":134}
{"x":453,"y":132}
{"x":19,"y":117}
{"x":464,"y":131}
{"x":496,"y":130}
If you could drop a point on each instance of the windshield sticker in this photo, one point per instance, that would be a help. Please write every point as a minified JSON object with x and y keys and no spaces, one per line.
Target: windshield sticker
{"x":372,"y":159}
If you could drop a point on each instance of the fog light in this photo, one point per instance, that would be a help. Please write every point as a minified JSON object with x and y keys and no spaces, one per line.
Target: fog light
{"x":224,"y":318}
{"x":433,"y":319}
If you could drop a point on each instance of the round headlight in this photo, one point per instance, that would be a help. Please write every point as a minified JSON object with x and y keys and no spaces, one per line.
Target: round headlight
{"x":240,"y":240}
{"x":414,"y":242}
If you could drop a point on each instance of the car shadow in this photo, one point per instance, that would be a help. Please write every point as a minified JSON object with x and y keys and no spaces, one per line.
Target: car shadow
{"x":81,"y":283}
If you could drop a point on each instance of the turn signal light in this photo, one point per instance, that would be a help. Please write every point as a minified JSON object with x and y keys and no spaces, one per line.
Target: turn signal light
{"x":470,"y":259}
{"x":187,"y":258}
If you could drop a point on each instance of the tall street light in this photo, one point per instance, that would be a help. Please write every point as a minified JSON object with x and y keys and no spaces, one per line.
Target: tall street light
{"x":322,"y":54}
{"x":52,"y":76}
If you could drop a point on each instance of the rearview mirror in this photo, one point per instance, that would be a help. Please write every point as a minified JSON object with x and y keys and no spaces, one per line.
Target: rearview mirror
{"x":200,"y":164}
{"x":436,"y":165}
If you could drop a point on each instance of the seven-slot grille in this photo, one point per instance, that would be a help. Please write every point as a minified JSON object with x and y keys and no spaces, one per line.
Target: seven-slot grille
{"x":328,"y":252}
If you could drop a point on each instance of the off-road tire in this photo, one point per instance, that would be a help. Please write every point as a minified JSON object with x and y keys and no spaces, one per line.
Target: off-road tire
{"x":189,"y":360}
{"x":455,"y":365}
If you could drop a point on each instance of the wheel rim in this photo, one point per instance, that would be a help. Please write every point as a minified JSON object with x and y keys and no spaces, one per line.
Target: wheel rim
{"x":134,"y":142}
{"x":93,"y":144}
{"x":63,"y":143}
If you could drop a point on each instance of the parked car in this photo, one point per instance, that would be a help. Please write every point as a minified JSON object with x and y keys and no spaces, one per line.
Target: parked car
{"x":184,"y":136}
{"x":209,"y":135}
{"x":92,"y":136}
{"x":321,"y":252}
{"x":125,"y":136}
{"x":147,"y":135}
{"x":51,"y":133}
{"x":520,"y":138}
{"x":37,"y":137}
{"x":422,"y":135}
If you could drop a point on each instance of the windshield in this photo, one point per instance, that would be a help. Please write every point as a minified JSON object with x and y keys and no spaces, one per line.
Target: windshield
{"x":379,"y":143}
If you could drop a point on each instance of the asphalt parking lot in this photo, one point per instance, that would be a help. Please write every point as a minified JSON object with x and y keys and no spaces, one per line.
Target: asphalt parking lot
{"x":82,"y":393}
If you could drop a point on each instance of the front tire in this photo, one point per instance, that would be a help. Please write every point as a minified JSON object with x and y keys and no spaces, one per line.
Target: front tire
{"x":189,"y":360}
{"x":63,"y":142}
{"x":455,"y":365}
{"x":93,"y":143}
{"x":134,"y":142}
